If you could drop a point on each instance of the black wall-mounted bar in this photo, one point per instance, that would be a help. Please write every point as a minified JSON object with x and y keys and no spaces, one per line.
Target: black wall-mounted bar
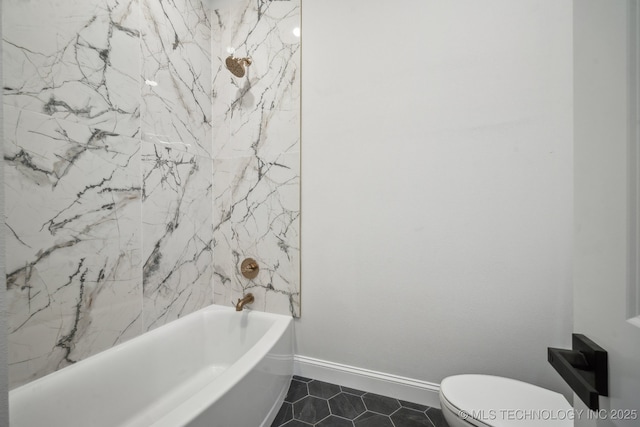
{"x":584,"y":368}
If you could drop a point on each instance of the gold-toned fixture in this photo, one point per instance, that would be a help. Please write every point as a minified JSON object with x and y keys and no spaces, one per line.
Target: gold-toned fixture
{"x":247,"y":299}
{"x":249,"y":268}
{"x":236,"y":65}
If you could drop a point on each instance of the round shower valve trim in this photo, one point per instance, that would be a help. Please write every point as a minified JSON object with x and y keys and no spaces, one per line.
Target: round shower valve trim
{"x":249,"y":268}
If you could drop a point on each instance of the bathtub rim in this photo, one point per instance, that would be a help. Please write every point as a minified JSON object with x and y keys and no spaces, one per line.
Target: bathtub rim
{"x":148,"y":335}
{"x":212,"y":392}
{"x":225,"y":381}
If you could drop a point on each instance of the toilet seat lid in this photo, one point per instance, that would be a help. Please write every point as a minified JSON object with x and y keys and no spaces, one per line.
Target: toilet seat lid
{"x":505,"y":402}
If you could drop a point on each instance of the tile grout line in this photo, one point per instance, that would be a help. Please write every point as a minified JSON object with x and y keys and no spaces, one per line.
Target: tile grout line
{"x":320,"y":392}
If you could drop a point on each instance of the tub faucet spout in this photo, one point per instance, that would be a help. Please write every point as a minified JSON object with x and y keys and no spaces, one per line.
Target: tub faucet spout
{"x":247,"y":299}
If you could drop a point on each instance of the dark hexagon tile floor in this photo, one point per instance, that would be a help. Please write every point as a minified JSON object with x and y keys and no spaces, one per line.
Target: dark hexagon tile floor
{"x":320,"y":404}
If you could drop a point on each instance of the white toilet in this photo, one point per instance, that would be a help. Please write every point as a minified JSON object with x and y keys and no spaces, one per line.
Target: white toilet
{"x":490,"y":401}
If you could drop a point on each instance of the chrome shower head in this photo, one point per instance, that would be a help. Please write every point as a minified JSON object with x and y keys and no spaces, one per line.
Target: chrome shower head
{"x":236,"y":65}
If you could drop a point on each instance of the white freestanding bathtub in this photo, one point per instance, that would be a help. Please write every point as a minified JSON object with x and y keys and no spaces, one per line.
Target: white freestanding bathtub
{"x":215,"y":368}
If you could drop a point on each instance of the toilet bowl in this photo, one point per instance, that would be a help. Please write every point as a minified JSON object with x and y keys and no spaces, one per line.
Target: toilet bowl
{"x":491,"y":401}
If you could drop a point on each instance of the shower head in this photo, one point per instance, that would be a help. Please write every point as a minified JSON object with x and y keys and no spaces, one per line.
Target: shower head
{"x":236,"y":65}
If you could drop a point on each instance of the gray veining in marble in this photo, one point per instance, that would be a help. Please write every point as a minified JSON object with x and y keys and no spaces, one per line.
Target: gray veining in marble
{"x":73,"y":241}
{"x":256,"y":151}
{"x":176,"y":52}
{"x":139,"y":172}
{"x":74,"y":60}
{"x":178,"y":234}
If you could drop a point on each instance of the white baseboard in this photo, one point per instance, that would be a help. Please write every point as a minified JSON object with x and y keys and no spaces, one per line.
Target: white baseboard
{"x":403,"y":388}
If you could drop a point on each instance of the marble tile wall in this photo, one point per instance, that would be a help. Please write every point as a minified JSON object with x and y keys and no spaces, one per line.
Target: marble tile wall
{"x":256,"y":146}
{"x":108,"y":173}
{"x":131,"y":156}
{"x":176,"y":128}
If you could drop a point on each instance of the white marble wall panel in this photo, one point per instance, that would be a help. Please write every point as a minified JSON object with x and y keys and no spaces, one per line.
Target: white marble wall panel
{"x":113,"y":206}
{"x":256,"y":146}
{"x":177,"y":164}
{"x":72,"y":214}
{"x":245,"y":108}
{"x":176,"y":66}
{"x":259,"y":217}
{"x":178,"y":234}
{"x":75,"y":60}
{"x":94,"y":262}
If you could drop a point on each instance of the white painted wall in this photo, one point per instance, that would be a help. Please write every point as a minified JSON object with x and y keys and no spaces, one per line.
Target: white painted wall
{"x":437,"y":186}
